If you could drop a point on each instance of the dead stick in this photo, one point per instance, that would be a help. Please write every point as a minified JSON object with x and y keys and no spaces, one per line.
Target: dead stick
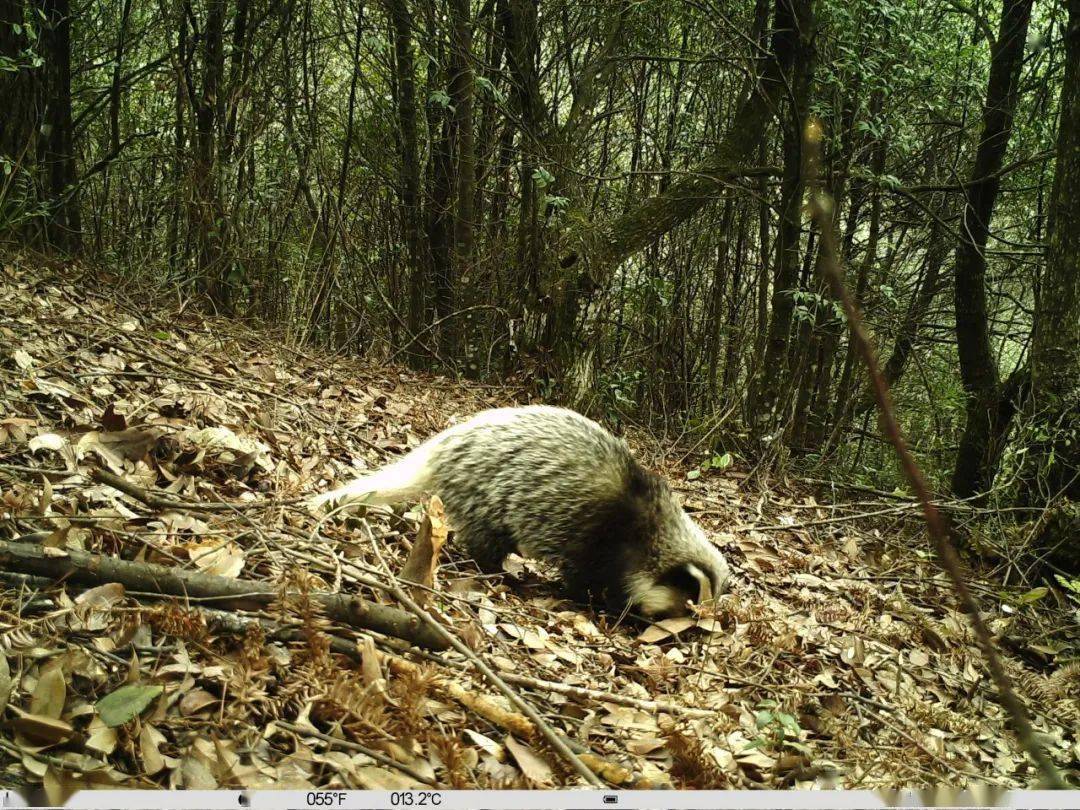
{"x":149,"y":498}
{"x":821,"y":208}
{"x":548,"y":733}
{"x":584,"y":693}
{"x":94,"y":569}
{"x":613,"y":773}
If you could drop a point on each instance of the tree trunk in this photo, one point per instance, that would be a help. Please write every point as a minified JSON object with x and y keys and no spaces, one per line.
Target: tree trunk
{"x":978,"y":454}
{"x":793,"y":45}
{"x":1054,"y":460}
{"x":603,"y":247}
{"x":56,"y":151}
{"x":18,"y":89}
{"x":405,"y":99}
{"x":208,"y":221}
{"x":461,"y":96}
{"x":439,"y":213}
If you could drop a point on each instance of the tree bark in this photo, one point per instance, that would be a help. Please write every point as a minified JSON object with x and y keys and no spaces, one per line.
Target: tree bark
{"x":793,"y":49}
{"x":56,"y":150}
{"x":440,"y":193}
{"x":461,"y":96}
{"x":18,"y":88}
{"x":93,"y":569}
{"x":979,"y":451}
{"x":405,"y":99}
{"x":208,"y":215}
{"x":1054,"y":460}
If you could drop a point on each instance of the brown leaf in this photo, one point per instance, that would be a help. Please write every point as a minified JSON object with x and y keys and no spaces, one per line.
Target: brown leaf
{"x":370,"y":665}
{"x":535,"y":769}
{"x":215,"y":557}
{"x":196,"y":774}
{"x":93,"y":606}
{"x":196,"y":700}
{"x":41,"y":729}
{"x":113,"y":421}
{"x":150,"y":740}
{"x":5,"y":682}
{"x":102,"y":739}
{"x":60,"y":785}
{"x":50,"y":694}
{"x":424,"y":557}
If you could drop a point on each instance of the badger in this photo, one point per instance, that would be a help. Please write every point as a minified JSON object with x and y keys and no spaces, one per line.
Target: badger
{"x":550,"y":483}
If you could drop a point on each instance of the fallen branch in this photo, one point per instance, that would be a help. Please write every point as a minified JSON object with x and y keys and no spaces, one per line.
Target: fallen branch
{"x":479,"y":704}
{"x":557,"y":743}
{"x":821,"y":209}
{"x":584,"y":693}
{"x":94,"y":569}
{"x":512,"y":722}
{"x":157,"y":501}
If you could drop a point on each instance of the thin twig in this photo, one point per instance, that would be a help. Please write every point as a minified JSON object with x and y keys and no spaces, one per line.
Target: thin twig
{"x":554,"y":739}
{"x":821,"y":207}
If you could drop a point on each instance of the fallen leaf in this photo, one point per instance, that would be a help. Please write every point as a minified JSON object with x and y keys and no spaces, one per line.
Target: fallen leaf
{"x":47,"y":441}
{"x":126,"y":703}
{"x":5,"y":683}
{"x":196,"y":700}
{"x":50,"y":694}
{"x":101,"y":738}
{"x":41,"y":729}
{"x":532,"y":766}
{"x":486,"y":743}
{"x":221,"y":559}
{"x":23,"y":359}
{"x":150,"y":740}
{"x":424,"y":557}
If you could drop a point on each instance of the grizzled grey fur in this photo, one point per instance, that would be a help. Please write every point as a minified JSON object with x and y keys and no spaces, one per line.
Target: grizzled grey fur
{"x":550,"y":483}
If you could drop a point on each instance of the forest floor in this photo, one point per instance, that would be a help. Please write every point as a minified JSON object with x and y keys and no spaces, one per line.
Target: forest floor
{"x":838,"y":659}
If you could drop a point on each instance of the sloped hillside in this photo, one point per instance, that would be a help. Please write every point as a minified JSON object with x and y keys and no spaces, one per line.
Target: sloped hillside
{"x":136,"y":432}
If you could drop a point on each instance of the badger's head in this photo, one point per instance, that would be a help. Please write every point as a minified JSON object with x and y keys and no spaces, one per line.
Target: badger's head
{"x":684,"y":567}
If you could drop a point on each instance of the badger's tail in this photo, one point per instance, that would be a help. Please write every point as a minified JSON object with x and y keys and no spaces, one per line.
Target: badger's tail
{"x":404,"y":480}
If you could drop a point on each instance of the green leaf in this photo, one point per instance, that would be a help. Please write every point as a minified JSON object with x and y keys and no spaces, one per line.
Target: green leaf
{"x":126,"y":703}
{"x":161,"y":334}
{"x":720,"y":462}
{"x":1034,"y":595}
{"x":789,"y":722}
{"x":762,"y":719}
{"x":693,"y":475}
{"x":440,"y":97}
{"x":542,"y":177}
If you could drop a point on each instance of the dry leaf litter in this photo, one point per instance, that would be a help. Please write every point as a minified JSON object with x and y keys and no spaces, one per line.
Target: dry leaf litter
{"x":838,"y":659}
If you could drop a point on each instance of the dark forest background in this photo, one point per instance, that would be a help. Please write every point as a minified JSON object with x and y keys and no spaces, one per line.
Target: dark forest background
{"x":604,"y":200}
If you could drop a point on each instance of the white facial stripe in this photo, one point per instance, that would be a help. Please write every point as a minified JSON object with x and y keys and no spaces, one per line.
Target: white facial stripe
{"x":661,"y":600}
{"x":704,"y":584}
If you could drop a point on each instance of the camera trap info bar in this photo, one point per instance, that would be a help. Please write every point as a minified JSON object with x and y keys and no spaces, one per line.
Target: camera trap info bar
{"x":544,"y":799}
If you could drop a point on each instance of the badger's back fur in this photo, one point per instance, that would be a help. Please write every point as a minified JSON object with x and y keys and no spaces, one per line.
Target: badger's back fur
{"x":550,"y":483}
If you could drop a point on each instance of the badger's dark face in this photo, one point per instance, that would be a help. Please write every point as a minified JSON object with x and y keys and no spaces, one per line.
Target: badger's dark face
{"x":694,"y":572}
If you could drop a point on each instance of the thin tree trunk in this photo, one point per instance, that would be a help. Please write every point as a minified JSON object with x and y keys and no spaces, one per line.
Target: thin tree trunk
{"x":63,"y":227}
{"x":1054,"y":461}
{"x":405,"y":97}
{"x":774,"y":374}
{"x":461,"y":95}
{"x":977,"y":456}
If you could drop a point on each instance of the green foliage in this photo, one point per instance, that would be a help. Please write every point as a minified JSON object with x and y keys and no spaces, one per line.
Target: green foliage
{"x":780,"y":729}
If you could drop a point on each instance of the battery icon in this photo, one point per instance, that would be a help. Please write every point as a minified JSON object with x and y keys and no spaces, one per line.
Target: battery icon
{"x":611,"y":799}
